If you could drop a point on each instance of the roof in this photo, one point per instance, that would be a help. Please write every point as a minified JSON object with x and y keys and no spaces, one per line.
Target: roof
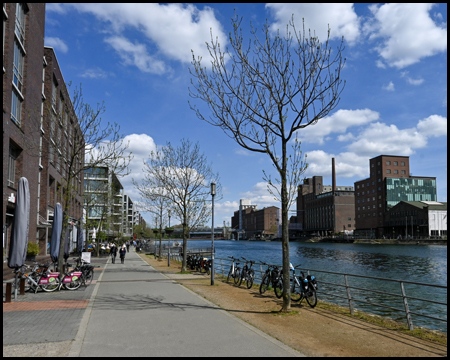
{"x":430,"y":205}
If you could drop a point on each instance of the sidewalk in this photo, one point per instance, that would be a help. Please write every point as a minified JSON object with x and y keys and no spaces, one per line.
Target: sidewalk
{"x":140,"y":312}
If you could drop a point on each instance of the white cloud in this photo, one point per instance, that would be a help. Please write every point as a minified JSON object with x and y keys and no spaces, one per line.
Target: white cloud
{"x":433,"y":126}
{"x":407,"y":31}
{"x":380,"y":138}
{"x":411,"y":80}
{"x":96,"y":73}
{"x":341,"y":18}
{"x":339,"y":122}
{"x":173,"y":29}
{"x":136,"y":54}
{"x":57,"y":44}
{"x":259,"y":195}
{"x":348,"y":164}
{"x":389,"y":87}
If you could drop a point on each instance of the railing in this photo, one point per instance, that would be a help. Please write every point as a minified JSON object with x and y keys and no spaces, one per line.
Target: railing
{"x":223,"y":265}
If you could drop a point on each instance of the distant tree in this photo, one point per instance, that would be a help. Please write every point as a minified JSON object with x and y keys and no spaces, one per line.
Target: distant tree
{"x":182,"y":176}
{"x":260,"y":95}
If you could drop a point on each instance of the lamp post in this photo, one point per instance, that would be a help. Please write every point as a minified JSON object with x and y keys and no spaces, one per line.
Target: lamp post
{"x":213,"y":193}
{"x":168,"y":257}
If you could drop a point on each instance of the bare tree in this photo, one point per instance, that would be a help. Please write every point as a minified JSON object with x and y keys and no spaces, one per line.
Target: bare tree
{"x":260,"y":95}
{"x":182,"y":176}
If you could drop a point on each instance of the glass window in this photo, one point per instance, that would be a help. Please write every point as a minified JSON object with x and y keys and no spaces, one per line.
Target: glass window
{"x":388,"y":163}
{"x":388,"y":171}
{"x":20,"y":23}
{"x":16,"y":108}
{"x":13,"y":155}
{"x":396,"y":163}
{"x":406,"y":189}
{"x":402,"y":163}
{"x":395,"y":171}
{"x":18,"y":66}
{"x":403,"y":172}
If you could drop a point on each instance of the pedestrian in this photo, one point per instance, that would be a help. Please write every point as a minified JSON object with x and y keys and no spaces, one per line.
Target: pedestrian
{"x":122,"y":253}
{"x":128,"y":246}
{"x":113,"y":252}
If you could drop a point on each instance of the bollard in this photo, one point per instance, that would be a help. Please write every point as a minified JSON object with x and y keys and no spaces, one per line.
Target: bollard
{"x":8,"y":292}
{"x":22,"y":287}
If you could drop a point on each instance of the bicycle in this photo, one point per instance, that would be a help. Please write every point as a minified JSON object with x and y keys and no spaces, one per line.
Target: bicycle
{"x":233,"y":273}
{"x":71,"y":280}
{"x":304,"y":287}
{"x":39,"y":278}
{"x":87,"y":271}
{"x":247,"y":274}
{"x":272,"y":276}
{"x":205,"y":264}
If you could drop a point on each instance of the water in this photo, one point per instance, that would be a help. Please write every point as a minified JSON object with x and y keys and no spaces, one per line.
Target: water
{"x":423,"y":264}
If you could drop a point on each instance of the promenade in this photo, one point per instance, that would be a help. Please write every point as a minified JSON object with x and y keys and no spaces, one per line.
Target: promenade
{"x":129,"y":310}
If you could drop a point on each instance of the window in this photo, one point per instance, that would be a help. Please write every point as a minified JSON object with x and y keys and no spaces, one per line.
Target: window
{"x":402,"y":163}
{"x":20,"y":23}
{"x":388,"y":171}
{"x":18,"y":66}
{"x":388,"y":163}
{"x":16,"y":107}
{"x":13,"y":155}
{"x":395,"y":171}
{"x":403,"y":172}
{"x":396,"y":163}
{"x":54,"y":88}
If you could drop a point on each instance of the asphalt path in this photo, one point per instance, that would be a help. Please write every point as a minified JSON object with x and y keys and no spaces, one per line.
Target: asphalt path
{"x":136,"y":311}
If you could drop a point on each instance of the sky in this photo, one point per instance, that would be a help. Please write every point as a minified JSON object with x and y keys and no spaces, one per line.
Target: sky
{"x":136,"y":58}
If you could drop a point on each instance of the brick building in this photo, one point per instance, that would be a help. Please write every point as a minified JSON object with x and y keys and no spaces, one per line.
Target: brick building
{"x":325,"y":209}
{"x":254,"y":223}
{"x":23,"y":52}
{"x":39,"y":124}
{"x":389,"y":183}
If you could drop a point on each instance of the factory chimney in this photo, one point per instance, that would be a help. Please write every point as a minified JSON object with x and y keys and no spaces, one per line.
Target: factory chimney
{"x":333,"y":175}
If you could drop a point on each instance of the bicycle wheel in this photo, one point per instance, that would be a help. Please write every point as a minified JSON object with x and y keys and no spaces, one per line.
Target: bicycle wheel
{"x":296,"y":293}
{"x":264,"y":284}
{"x":230,"y":275}
{"x":311,"y":296}
{"x":278,"y":287}
{"x":75,"y":284}
{"x":88,"y":277}
{"x":250,"y":278}
{"x":243,"y":276}
{"x":237,"y":276}
{"x":51,"y":286}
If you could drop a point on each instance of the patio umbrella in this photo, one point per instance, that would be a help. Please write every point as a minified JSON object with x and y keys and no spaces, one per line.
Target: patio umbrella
{"x":20,"y":226}
{"x":56,"y":233}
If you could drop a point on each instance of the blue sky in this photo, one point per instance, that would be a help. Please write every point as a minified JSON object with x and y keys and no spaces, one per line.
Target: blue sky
{"x":135,"y":58}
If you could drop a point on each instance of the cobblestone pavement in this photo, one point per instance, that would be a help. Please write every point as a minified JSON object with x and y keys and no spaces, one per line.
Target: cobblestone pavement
{"x":45,"y":317}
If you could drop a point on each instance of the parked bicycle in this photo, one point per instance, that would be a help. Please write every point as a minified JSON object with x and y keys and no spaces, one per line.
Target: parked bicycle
{"x":205,"y":264}
{"x":71,"y":279}
{"x":272,"y":276}
{"x":247,"y":273}
{"x":87,"y":271}
{"x":39,"y":278}
{"x":235,"y":272}
{"x":303,"y":287}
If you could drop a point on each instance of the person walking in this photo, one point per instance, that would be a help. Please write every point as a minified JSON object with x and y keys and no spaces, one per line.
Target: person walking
{"x":128,"y":246}
{"x":113,"y":252}
{"x":122,"y":253}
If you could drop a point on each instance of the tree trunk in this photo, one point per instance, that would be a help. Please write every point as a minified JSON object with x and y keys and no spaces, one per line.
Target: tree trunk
{"x":285,"y":234}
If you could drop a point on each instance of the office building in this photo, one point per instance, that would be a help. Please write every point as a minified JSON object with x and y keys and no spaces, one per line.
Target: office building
{"x":389,"y":183}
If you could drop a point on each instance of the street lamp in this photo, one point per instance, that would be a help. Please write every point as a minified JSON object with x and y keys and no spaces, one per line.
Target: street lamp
{"x":213,"y":193}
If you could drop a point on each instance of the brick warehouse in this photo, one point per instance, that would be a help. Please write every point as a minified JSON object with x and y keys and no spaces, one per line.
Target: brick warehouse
{"x":324,"y":209}
{"x":39,"y":122}
{"x":389,"y":183}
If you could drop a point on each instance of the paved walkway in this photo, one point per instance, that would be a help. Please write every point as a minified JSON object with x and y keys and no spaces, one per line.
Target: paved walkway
{"x":136,"y":311}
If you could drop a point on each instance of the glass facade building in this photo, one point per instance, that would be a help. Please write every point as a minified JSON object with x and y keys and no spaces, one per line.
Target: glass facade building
{"x":409,"y":189}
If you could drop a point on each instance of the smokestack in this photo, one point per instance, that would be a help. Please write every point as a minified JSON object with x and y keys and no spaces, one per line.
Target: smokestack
{"x":333,"y":175}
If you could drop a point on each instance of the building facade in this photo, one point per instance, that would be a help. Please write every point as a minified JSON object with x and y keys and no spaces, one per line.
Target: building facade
{"x":251,"y":223}
{"x":417,"y":219}
{"x":23,"y":52}
{"x":389,"y":183}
